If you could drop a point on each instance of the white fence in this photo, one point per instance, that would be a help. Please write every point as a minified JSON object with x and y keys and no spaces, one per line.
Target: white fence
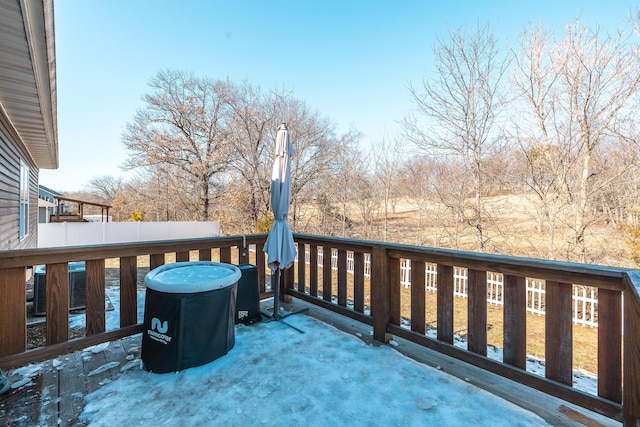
{"x":94,"y":233}
{"x":585,"y":298}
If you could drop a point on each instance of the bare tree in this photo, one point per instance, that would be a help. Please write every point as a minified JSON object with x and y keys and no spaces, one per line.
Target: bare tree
{"x":252,"y":117}
{"x":578,"y":91}
{"x":347,"y":164}
{"x":459,"y":109}
{"x":366,"y":200}
{"x":182,"y":125}
{"x":106,"y":187}
{"x":600,"y":77}
{"x":316,"y":144}
{"x":416,"y":182}
{"x":387,"y":177}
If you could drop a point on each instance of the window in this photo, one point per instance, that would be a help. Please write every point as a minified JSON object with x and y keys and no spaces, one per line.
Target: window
{"x":24,"y":200}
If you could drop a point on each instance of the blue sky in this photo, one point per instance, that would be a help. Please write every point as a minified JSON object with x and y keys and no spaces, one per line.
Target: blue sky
{"x":350,"y":60}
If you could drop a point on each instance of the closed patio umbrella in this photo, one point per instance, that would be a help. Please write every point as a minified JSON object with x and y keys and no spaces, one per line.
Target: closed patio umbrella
{"x":280,"y":248}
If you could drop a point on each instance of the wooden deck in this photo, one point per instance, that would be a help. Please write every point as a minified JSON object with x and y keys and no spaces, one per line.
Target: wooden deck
{"x":56,"y":394}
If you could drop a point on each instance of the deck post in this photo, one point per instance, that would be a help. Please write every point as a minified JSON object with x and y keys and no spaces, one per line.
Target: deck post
{"x":380,"y":294}
{"x":631,"y":369}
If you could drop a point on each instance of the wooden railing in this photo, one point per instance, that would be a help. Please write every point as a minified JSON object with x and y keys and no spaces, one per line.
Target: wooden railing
{"x":378,"y":301}
{"x":14,"y":266}
{"x":618,"y":355}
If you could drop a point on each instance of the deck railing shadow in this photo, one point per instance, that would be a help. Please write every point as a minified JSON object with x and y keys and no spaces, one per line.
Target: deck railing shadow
{"x":618,"y":358}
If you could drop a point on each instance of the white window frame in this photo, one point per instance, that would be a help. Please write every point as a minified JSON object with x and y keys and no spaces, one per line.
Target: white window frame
{"x":24,"y":201}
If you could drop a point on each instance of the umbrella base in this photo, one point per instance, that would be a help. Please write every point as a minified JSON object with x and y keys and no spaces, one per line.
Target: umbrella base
{"x":279,"y":318}
{"x":276,"y":316}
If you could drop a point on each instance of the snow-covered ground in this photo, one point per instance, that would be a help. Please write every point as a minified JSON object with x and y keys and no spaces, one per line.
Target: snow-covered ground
{"x":581,"y":380}
{"x":275,"y":375}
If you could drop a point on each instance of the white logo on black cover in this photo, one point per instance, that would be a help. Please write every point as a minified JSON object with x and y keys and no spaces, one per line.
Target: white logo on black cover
{"x":159,"y":326}
{"x":160,"y":330}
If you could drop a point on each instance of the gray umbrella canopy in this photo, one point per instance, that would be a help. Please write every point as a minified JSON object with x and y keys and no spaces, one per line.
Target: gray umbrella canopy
{"x":280,"y":248}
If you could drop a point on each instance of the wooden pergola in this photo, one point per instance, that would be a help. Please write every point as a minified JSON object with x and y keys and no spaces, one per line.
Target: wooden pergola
{"x":79,"y":216}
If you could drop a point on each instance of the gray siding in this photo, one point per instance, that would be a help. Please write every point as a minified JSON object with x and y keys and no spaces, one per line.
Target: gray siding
{"x":11,"y":153}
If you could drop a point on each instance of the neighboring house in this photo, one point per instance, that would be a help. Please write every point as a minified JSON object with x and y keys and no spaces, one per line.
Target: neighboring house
{"x":48,"y":200}
{"x":44,"y":209}
{"x":47,"y":203}
{"x":28,"y":118}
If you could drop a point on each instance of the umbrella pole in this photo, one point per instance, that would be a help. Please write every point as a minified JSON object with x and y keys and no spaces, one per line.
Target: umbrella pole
{"x":276,"y":294}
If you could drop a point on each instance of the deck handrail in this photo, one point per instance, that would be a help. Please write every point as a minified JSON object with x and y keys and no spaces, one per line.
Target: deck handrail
{"x":14,"y":265}
{"x":384,"y":312}
{"x":375,"y":301}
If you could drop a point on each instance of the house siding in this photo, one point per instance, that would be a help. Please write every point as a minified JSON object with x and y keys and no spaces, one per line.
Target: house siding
{"x":10,"y":155}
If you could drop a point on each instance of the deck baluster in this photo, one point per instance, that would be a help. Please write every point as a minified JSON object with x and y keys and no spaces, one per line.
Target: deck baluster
{"x":393,"y":266}
{"x":13,"y":314}
{"x":515,"y":321}
{"x":128,"y":291}
{"x":326,"y":273}
{"x":558,"y":332}
{"x":477,"y":311}
{"x":445,"y":303}
{"x":95,"y":296}
{"x":342,"y":277}
{"x":418,"y":297}
{"x":57,"y":307}
{"x":313,"y":270}
{"x":358,"y":282}
{"x":204,"y":254}
{"x":302,"y":265}
{"x":225,"y":255}
{"x":182,"y":256}
{"x":155,"y":261}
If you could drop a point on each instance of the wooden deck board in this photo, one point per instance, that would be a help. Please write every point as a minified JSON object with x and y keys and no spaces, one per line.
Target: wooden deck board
{"x":91,"y":362}
{"x":57,"y":397}
{"x":72,"y":388}
{"x":50,"y":405}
